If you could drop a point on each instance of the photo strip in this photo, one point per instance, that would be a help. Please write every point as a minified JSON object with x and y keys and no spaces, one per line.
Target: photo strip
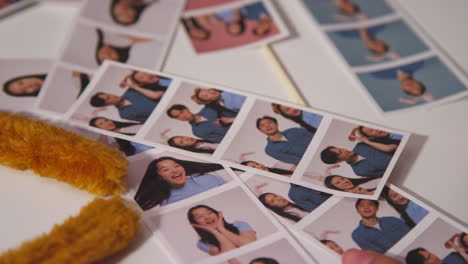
{"x":121,"y":101}
{"x":248,"y":132}
{"x":235,"y":24}
{"x":392,"y":60}
{"x":353,"y":158}
{"x":22,"y":81}
{"x":391,"y":225}
{"x":134,"y":32}
{"x":201,"y":212}
{"x":197,"y":118}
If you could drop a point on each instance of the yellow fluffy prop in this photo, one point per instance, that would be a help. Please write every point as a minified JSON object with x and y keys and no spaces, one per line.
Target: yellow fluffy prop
{"x":54,"y":152}
{"x":102,"y":228}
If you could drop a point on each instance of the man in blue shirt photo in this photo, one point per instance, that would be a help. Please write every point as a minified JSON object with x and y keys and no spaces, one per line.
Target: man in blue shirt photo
{"x":136,"y":105}
{"x":206,"y":124}
{"x":364,"y":159}
{"x":377,"y":233}
{"x":422,"y":256}
{"x":286,"y":146}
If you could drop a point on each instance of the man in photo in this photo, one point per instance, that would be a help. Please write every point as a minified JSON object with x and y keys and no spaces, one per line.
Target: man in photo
{"x":364,"y":159}
{"x":422,"y":256}
{"x":136,"y":105}
{"x":206,"y":124}
{"x":377,"y":233}
{"x":286,"y":146}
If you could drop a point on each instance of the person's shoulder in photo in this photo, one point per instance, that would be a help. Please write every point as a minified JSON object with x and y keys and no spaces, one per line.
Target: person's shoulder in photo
{"x":168,"y":180}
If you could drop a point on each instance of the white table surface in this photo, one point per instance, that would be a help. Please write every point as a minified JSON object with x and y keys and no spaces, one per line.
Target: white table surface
{"x":434,"y":166}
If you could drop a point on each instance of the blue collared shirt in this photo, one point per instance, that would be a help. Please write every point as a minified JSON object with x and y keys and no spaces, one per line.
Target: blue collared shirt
{"x":291,"y":149}
{"x":254,"y":11}
{"x":207,"y":129}
{"x":140,"y":108}
{"x":311,"y":118}
{"x":380,"y":240}
{"x":375,"y":161}
{"x":454,"y":258}
{"x":416,"y":212}
{"x":232,"y":101}
{"x":306,"y":198}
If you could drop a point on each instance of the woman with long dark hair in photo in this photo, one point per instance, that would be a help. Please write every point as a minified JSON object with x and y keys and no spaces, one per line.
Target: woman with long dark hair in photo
{"x":305,"y":200}
{"x":25,"y":85}
{"x":168,"y":180}
{"x":307,"y":120}
{"x":227,"y":104}
{"x":345,"y":184}
{"x":197,"y":27}
{"x":376,"y":138}
{"x":216,"y":234}
{"x":128,"y":12}
{"x":105,"y":50}
{"x":409,"y":211}
{"x":126,"y":128}
{"x":193,"y":144}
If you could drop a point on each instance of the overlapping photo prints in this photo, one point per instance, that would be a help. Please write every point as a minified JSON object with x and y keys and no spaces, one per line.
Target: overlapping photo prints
{"x":134,"y":32}
{"x":197,"y":118}
{"x":396,"y":224}
{"x":122,"y":101}
{"x":22,"y":80}
{"x":201,"y":212}
{"x":394,"y":63}
{"x":293,"y":144}
{"x":220,"y":25}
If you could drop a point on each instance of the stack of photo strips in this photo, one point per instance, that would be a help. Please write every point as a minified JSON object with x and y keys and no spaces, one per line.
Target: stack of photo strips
{"x":224,"y":176}
{"x":389,"y":57}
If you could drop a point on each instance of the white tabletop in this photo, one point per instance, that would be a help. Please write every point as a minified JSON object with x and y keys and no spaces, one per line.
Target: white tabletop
{"x":434,"y":166}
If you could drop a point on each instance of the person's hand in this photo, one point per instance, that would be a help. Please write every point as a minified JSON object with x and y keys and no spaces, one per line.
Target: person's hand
{"x":206,"y":228}
{"x":356,"y":256}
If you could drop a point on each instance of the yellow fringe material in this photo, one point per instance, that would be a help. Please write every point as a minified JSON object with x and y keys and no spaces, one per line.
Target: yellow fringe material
{"x":102,"y":228}
{"x":56,"y":153}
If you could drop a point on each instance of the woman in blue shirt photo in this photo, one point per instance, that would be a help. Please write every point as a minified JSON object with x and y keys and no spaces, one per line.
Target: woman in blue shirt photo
{"x":409,"y":212}
{"x":345,"y":184}
{"x":216,"y":234}
{"x":25,"y":85}
{"x":227,"y":104}
{"x":168,"y":180}
{"x":378,"y":139}
{"x":307,"y":120}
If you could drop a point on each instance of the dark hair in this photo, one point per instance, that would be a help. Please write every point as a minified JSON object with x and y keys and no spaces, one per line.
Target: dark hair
{"x":413,"y":256}
{"x":375,"y":202}
{"x":279,"y":210}
{"x":240,"y":22}
{"x":422,"y":91}
{"x":328,"y":156}
{"x":150,"y":86}
{"x":272,"y":170}
{"x":6,"y":85}
{"x":153,"y":189}
{"x":255,"y":33}
{"x":264,"y":260}
{"x":298,"y":119}
{"x":325,"y":241}
{"x":192,"y":148}
{"x":206,"y":236}
{"x":138,"y":10}
{"x":175,"y":107}
{"x":97,"y":101}
{"x":84,"y":81}
{"x":221,"y":111}
{"x":264,"y":118}
{"x":194,"y":22}
{"x":386,"y":140}
{"x":355,"y":182}
{"x":126,"y":147}
{"x":117,"y":124}
{"x":373,"y":38}
{"x":462,"y":236}
{"x":124,"y":52}
{"x":401,"y":209}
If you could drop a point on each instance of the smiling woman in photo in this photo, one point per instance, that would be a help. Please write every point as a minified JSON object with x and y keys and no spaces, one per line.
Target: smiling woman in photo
{"x":128,"y":12}
{"x":216,"y":234}
{"x":168,"y":180}
{"x":126,"y":128}
{"x":26,"y":85}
